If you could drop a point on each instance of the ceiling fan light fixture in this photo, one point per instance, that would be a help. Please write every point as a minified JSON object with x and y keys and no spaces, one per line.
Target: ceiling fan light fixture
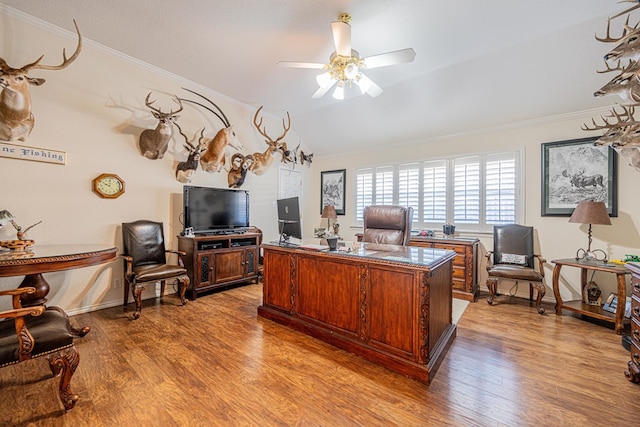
{"x":351,"y":71}
{"x":364,"y":83}
{"x":339,"y":92}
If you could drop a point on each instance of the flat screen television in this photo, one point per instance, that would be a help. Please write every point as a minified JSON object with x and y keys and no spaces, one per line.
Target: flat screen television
{"x":289,"y":218}
{"x":209,"y":210}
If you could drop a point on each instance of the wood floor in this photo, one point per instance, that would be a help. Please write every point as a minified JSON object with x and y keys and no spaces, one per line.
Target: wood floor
{"x":213,"y":362}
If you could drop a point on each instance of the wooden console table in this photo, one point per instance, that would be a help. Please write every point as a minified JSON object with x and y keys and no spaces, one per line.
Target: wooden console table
{"x":49,"y":258}
{"x":389,"y":304}
{"x":582,"y":308}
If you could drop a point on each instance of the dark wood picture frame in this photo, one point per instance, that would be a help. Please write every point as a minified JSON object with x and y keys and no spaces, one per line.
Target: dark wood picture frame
{"x":576,"y":170}
{"x":333,"y":185}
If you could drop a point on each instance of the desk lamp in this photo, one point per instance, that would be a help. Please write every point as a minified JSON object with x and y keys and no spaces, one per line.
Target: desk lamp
{"x":590,"y":212}
{"x":329,"y":212}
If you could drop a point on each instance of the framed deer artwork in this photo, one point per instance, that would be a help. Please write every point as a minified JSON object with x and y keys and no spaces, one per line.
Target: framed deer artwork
{"x":577,"y":170}
{"x":332,"y":189}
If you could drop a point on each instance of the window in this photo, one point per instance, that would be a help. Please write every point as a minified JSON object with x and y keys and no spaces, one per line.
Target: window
{"x":472,"y":192}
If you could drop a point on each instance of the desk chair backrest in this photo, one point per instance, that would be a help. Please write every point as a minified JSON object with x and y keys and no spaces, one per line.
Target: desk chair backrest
{"x":143,"y":240}
{"x":387,"y":224}
{"x":513,"y":244}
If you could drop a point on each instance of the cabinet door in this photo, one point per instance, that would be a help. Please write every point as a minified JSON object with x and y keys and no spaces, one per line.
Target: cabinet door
{"x":229,"y":265}
{"x":204,"y":273}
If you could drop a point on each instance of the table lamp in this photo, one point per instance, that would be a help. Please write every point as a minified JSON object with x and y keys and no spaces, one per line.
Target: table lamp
{"x":329,"y":212}
{"x":590,"y":212}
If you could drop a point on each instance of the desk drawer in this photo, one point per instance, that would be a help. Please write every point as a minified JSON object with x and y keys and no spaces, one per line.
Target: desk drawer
{"x":635,"y":307}
{"x":635,"y":332}
{"x":635,"y":353}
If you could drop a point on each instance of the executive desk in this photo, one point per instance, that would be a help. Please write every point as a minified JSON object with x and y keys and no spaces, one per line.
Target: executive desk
{"x":388,"y":304}
{"x":49,"y":258}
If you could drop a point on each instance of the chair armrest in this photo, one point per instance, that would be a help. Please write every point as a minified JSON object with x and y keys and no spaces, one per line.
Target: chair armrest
{"x":180,"y":255}
{"x":128,"y":264}
{"x":489,"y":262}
{"x":541,"y":262}
{"x":21,"y":312}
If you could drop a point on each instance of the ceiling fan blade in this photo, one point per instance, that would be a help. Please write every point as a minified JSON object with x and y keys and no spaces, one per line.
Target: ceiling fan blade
{"x":323,"y":90}
{"x":368,"y":86}
{"x":390,"y":58}
{"x":290,"y":64}
{"x":342,"y":37}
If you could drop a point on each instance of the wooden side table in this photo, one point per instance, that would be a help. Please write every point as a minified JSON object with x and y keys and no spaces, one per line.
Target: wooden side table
{"x":580,"y":307}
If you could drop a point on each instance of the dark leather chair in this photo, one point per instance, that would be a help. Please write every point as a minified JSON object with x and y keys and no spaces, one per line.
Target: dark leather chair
{"x":387,"y":224}
{"x":31,"y":332}
{"x":145,"y":261}
{"x":513,"y":259}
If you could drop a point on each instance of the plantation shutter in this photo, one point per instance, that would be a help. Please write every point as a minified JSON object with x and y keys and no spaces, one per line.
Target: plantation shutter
{"x":500,"y":188}
{"x":384,"y":186}
{"x":466,"y":190}
{"x":434,"y":206}
{"x":409,"y":187}
{"x":364,"y":191}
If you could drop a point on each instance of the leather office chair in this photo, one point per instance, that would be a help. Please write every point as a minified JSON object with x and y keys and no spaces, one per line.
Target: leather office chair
{"x":145,"y":261}
{"x":387,"y":224}
{"x":31,"y":332}
{"x":513,"y":259}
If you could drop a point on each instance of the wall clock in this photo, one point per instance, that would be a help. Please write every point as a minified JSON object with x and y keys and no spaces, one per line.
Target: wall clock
{"x":108,"y":185}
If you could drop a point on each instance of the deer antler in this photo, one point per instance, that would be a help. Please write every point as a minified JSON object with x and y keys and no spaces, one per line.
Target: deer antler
{"x":622,"y":119}
{"x":263,"y":131}
{"x":609,"y":69}
{"x":65,"y":61}
{"x":157,"y":110}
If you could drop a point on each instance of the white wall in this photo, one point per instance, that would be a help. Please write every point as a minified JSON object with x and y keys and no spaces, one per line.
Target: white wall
{"x":556,"y":238}
{"x":94,"y":111}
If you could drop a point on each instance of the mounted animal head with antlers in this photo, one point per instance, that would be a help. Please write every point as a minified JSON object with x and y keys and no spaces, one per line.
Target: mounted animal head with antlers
{"x":16,"y":118}
{"x":154,"y":142}
{"x":186,"y":169}
{"x":262,"y":161}
{"x":213,"y":158}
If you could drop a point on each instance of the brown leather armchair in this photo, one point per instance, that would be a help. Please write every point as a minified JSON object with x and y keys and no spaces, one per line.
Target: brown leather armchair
{"x":387,"y":224}
{"x":31,"y":332}
{"x":145,"y":261}
{"x":513,"y":259}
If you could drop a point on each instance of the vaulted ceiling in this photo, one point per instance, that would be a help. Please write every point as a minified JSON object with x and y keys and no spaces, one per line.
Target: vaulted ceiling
{"x":478,"y":65}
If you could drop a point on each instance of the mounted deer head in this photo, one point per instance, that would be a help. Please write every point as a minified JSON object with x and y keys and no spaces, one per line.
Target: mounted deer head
{"x":154,"y":142}
{"x":186,"y":169}
{"x":629,"y":43}
{"x":16,"y":118}
{"x":262,"y":161}
{"x":213,"y":158}
{"x":626,"y":84}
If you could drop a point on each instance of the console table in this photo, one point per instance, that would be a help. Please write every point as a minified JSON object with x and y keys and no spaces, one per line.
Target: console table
{"x":49,"y":258}
{"x":582,"y":308}
{"x":386,"y":303}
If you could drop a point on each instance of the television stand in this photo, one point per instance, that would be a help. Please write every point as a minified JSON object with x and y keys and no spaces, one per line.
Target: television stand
{"x":218,"y":260}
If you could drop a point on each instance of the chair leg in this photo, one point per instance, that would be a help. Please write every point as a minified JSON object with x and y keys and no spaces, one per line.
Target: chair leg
{"x":162,"y":284}
{"x":137,"y":296}
{"x":126,"y":294}
{"x":492,"y":284}
{"x":541,"y":291}
{"x":184,"y":284}
{"x":64,"y":363}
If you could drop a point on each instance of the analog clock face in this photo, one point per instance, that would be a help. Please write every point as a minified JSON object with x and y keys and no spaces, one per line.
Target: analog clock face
{"x":108,"y":185}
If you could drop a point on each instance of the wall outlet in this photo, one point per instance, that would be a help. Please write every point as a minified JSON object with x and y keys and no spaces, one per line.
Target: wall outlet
{"x":117,"y":283}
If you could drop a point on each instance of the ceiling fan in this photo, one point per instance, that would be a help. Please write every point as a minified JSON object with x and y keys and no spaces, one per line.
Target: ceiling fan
{"x":345,"y":64}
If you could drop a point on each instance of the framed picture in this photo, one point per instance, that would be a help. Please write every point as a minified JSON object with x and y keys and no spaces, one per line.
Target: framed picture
{"x":332,"y":189}
{"x":576,"y":170}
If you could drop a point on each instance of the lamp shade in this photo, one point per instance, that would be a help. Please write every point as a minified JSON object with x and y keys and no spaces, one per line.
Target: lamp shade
{"x":329,"y":212}
{"x":590,"y":212}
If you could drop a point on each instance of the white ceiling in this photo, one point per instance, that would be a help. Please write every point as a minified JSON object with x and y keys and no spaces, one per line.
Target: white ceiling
{"x":479,"y":64}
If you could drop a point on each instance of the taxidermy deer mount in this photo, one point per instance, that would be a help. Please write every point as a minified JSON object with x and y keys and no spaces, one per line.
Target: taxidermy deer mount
{"x":262,"y":161}
{"x":16,"y":118}
{"x":213,"y":158}
{"x":186,"y":169}
{"x":154,"y":142}
{"x":622,"y":131}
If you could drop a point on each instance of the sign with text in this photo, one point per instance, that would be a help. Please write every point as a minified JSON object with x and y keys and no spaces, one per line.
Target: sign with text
{"x":32,"y":153}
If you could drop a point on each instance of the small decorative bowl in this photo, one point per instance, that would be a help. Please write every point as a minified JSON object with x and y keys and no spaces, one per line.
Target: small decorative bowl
{"x":16,"y":245}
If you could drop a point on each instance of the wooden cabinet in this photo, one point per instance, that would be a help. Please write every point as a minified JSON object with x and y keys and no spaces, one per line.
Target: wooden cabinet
{"x":215,"y":261}
{"x":465,"y":274}
{"x":633,"y":371}
{"x":465,"y":264}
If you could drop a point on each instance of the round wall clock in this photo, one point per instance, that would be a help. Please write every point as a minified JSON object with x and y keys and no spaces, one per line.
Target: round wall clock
{"x":108,"y":185}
